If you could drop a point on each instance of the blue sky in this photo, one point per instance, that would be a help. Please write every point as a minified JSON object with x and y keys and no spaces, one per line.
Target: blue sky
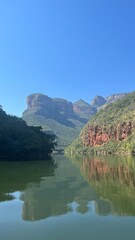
{"x":65,"y":48}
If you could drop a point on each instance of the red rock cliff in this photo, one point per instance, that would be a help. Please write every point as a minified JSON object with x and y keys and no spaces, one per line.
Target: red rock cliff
{"x":97,"y":135}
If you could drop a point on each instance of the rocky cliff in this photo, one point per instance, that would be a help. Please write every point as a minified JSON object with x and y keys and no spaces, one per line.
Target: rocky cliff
{"x":98,"y":135}
{"x":49,"y":107}
{"x":111,"y":130}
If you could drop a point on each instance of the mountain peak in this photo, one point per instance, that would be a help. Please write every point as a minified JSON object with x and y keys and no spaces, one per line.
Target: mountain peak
{"x":81,"y":102}
{"x":98,"y":101}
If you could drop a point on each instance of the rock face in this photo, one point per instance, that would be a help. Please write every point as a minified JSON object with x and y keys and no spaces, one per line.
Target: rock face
{"x":39,"y":100}
{"x":84,"y":109}
{"x":115,"y":97}
{"x":98,"y":101}
{"x":48,"y":107}
{"x":64,"y":107}
{"x":98,"y":135}
{"x":53,"y":107}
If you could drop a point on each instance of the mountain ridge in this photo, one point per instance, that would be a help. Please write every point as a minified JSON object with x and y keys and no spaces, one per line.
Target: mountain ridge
{"x":64,"y":118}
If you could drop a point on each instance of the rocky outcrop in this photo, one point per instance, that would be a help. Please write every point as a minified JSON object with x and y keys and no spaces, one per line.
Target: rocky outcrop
{"x":98,"y":101}
{"x":114,"y":97}
{"x":49,"y":107}
{"x":64,"y":107}
{"x":82,"y":108}
{"x":52,"y":107}
{"x":98,"y":135}
{"x":38,"y":100}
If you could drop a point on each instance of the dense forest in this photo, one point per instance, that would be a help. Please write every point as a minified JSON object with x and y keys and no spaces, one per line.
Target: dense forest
{"x":18,"y":141}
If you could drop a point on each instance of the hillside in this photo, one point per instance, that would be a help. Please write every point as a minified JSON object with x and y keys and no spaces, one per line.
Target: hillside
{"x":111,"y":130}
{"x":18,"y":141}
{"x":64,"y":118}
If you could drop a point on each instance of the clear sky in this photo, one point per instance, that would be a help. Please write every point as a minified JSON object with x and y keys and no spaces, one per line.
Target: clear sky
{"x":70,"y":49}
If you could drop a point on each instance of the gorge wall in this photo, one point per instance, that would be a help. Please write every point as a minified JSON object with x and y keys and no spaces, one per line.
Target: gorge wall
{"x":97,"y":135}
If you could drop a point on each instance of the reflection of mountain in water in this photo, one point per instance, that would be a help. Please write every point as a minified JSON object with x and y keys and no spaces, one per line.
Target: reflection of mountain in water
{"x":58,"y":194}
{"x":113,"y":179}
{"x":56,"y":187}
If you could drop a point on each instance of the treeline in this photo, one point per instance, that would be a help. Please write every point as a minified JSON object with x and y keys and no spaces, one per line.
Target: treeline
{"x":18,"y":141}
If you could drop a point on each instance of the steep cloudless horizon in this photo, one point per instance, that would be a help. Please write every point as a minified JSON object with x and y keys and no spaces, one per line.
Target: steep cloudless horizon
{"x":69,"y":49}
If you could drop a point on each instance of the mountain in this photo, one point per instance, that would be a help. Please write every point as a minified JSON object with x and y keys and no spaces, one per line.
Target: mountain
{"x":59,"y":116}
{"x":100,"y":102}
{"x":84,"y":109}
{"x":111,"y":130}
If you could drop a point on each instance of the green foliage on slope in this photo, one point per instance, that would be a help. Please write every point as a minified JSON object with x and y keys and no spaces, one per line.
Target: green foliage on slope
{"x":21,"y":142}
{"x":122,"y":111}
{"x":65,"y":133}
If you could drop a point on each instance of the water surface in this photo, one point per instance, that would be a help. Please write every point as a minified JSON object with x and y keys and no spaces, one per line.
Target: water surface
{"x":68,"y":198}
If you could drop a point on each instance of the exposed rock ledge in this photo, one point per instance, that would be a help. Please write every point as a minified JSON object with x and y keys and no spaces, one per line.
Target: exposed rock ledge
{"x":98,"y":135}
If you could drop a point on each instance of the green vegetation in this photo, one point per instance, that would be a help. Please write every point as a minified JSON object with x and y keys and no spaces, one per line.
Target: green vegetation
{"x":65,"y":133}
{"x":122,"y":110}
{"x":116,"y":119}
{"x":21,"y":142}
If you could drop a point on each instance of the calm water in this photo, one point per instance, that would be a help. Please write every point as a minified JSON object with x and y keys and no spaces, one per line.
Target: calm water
{"x":68,"y":199}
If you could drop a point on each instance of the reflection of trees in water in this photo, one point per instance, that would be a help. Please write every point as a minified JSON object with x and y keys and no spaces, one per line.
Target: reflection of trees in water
{"x":113,"y":179}
{"x":102,"y":207}
{"x":55,"y":195}
{"x":99,"y":169}
{"x":14,"y":176}
{"x":56,"y":187}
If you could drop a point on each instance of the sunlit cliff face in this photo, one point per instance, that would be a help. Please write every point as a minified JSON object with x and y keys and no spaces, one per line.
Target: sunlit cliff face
{"x":97,"y":135}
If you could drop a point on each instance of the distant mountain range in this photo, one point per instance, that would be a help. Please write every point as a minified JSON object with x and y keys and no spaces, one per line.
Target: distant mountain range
{"x":61,"y":117}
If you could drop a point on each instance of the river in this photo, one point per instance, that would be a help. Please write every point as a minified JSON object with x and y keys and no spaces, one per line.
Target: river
{"x":68,"y":198}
